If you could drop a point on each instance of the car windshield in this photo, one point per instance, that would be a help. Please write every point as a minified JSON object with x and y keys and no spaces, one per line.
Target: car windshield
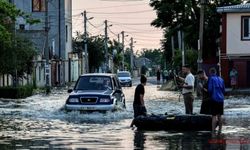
{"x":123,"y":74}
{"x":94,"y":83}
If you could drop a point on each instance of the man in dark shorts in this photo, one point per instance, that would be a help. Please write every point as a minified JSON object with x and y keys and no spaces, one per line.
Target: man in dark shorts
{"x":216,"y":90}
{"x":205,"y":105}
{"x":138,"y":105}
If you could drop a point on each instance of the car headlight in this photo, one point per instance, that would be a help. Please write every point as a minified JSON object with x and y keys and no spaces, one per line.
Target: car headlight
{"x":73,"y":100}
{"x":105,"y":100}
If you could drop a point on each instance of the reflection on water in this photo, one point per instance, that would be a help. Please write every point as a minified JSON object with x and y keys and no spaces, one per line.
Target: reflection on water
{"x":188,"y":141}
{"x":39,"y":122}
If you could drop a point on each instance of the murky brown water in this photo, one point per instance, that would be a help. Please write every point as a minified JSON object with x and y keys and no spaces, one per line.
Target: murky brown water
{"x":39,"y":122}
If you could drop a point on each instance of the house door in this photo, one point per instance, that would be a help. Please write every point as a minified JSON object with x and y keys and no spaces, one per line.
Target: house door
{"x":248,"y":73}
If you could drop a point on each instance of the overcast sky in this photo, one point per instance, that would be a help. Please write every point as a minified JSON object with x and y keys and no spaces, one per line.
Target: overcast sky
{"x":132,"y":16}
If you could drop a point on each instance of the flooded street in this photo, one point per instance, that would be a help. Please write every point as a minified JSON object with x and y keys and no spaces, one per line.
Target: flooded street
{"x":40,"y":122}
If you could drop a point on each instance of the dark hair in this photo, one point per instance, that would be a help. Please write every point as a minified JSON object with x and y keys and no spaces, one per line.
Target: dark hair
{"x":201,"y":72}
{"x":143,"y":78}
{"x":213,"y":71}
{"x":186,"y":66}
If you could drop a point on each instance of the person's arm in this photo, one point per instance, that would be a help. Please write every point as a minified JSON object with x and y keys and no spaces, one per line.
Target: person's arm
{"x":180,"y":78}
{"x":189,"y":84}
{"x":142,"y":99}
{"x":186,"y":86}
{"x":209,"y":86}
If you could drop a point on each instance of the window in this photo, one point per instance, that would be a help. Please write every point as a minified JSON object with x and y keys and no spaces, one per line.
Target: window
{"x":245,"y":21}
{"x":38,"y":5}
{"x":66,"y":33}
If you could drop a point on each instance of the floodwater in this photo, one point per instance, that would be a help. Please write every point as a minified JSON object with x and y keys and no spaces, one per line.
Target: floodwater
{"x":39,"y":122}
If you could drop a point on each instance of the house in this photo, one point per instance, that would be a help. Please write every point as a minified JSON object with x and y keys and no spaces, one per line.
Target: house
{"x":235,"y":43}
{"x":55,"y":26}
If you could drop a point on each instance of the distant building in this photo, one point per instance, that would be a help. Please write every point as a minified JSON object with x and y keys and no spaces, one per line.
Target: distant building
{"x":142,"y":62}
{"x":235,"y":42}
{"x":59,"y":37}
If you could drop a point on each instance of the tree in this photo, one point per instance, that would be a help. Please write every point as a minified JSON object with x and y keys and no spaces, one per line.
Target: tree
{"x":115,"y":49}
{"x":190,"y":58}
{"x":16,"y":52}
{"x":95,"y":50}
{"x":155,"y":55}
{"x":174,"y":15}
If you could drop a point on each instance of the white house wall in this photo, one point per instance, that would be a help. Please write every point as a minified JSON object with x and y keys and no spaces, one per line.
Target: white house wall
{"x":235,"y":46}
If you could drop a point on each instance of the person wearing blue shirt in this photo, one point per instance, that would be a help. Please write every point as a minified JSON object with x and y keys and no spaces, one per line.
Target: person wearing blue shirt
{"x":216,"y":90}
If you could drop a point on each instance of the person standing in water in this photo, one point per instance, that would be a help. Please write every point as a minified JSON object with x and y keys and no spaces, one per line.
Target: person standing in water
{"x":216,"y":90}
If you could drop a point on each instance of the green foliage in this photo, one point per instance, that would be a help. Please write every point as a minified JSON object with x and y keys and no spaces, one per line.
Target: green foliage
{"x":184,"y":15}
{"x":8,"y":14}
{"x":17,"y":58}
{"x":16,"y":52}
{"x":115,"y":48}
{"x":155,"y":55}
{"x":191,"y":59}
{"x":95,"y":49}
{"x":97,"y":52}
{"x":16,"y":92}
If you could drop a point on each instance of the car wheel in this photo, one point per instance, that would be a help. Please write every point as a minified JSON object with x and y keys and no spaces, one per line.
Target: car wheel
{"x":130,"y":85}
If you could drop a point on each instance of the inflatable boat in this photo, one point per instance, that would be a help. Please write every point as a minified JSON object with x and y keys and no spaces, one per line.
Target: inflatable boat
{"x":174,"y":122}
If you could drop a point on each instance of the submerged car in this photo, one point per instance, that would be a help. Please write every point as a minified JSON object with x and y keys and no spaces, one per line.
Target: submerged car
{"x":124,"y":78}
{"x":96,"y":92}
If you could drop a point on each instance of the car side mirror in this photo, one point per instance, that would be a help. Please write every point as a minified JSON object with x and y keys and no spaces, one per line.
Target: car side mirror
{"x":118,"y":91}
{"x":70,"y":90}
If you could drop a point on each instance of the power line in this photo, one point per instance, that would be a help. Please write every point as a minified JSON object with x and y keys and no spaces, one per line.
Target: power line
{"x":112,"y":32}
{"x":129,"y":24}
{"x":137,"y":29}
{"x":114,"y":6}
{"x":119,"y":17}
{"x":94,"y":25}
{"x":128,"y":12}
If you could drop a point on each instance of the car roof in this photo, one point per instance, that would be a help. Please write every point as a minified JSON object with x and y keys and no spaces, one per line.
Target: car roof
{"x":123,"y":72}
{"x":98,"y":74}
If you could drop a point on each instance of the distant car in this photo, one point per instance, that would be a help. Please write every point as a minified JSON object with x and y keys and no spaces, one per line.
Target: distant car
{"x":124,"y":78}
{"x":96,"y":92}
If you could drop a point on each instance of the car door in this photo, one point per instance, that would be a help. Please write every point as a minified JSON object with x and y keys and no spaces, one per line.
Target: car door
{"x":118,"y":91}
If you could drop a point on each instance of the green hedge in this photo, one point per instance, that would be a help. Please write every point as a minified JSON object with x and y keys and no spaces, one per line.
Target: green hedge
{"x":16,"y":92}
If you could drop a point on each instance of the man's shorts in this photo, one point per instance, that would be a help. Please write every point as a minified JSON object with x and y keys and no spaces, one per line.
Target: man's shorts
{"x":217,"y":108}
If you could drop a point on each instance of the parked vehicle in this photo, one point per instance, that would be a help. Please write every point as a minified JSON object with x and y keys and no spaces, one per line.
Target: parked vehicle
{"x":124,"y":78}
{"x":96,"y":92}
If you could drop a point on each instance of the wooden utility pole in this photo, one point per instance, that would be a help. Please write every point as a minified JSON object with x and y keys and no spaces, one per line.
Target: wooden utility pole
{"x":106,"y":46}
{"x":46,"y":49}
{"x":200,"y":42}
{"x":123,"y":51}
{"x":131,"y":56}
{"x":85,"y":42}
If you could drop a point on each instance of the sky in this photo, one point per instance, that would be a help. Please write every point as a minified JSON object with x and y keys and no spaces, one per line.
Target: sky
{"x":131,"y":16}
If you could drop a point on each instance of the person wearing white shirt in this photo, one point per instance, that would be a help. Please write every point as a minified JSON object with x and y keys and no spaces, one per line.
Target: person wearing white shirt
{"x":188,"y":89}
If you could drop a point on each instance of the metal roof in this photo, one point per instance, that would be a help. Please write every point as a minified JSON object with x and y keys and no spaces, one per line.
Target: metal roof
{"x":235,"y":8}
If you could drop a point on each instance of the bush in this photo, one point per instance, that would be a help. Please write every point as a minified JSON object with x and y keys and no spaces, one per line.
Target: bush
{"x":16,"y":92}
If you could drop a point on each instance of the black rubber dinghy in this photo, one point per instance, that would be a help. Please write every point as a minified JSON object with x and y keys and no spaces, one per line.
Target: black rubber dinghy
{"x":174,"y":122}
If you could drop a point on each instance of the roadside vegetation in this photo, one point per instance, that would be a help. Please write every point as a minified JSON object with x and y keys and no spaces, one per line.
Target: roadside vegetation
{"x":17,"y":52}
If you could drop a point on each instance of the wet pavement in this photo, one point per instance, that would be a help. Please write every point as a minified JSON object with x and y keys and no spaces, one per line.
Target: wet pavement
{"x":40,"y":122}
